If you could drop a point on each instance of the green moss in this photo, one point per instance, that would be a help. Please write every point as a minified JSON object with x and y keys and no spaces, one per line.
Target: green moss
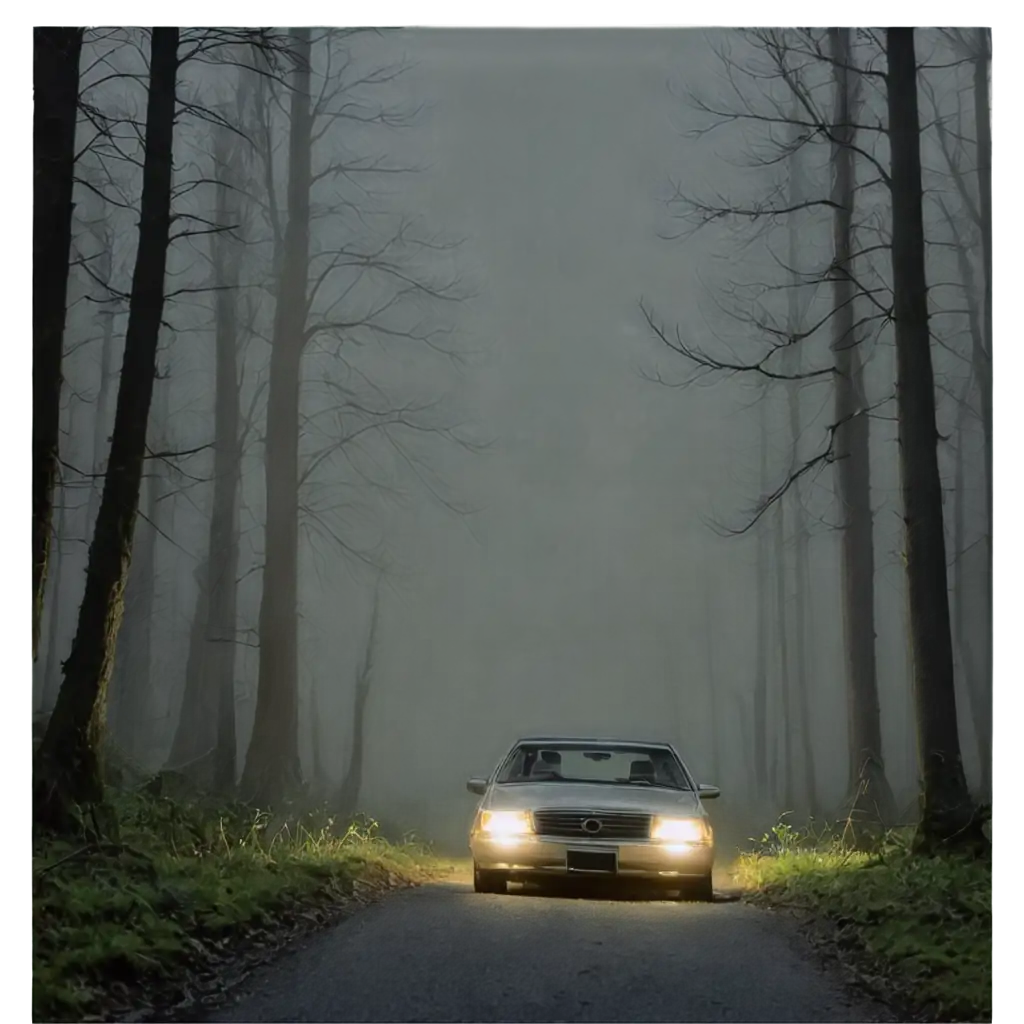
{"x":920,"y":928}
{"x":118,"y":924}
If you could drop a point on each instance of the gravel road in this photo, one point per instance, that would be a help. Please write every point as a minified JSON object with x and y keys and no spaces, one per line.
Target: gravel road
{"x":445,"y":953}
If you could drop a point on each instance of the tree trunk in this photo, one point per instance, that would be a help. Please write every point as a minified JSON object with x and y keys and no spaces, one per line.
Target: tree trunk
{"x":870,"y":792}
{"x":761,"y":667}
{"x":782,"y":625}
{"x":52,"y":674}
{"x":221,"y":633}
{"x":57,"y":53}
{"x":68,"y":766}
{"x":976,"y":696}
{"x":983,"y":358}
{"x":948,"y":816}
{"x":793,"y":364}
{"x":272,"y":766}
{"x":348,"y":794}
{"x":910,"y":733}
{"x":101,"y":423}
{"x":131,"y":681}
{"x":194,"y":735}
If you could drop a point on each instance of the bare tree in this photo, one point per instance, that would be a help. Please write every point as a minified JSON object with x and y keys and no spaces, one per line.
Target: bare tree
{"x":325,"y":299}
{"x":52,"y":669}
{"x":228,"y":441}
{"x":785,"y":662}
{"x":869,"y":784}
{"x":272,"y":767}
{"x":347,"y":799}
{"x":948,"y":815}
{"x":131,"y":684}
{"x":205,"y":742}
{"x":792,"y":365}
{"x":55,"y":81}
{"x":978,"y":696}
{"x":761,"y":667}
{"x":68,"y":769}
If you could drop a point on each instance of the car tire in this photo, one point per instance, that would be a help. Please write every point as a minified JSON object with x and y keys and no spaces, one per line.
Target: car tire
{"x":702,"y":891}
{"x":489,"y":881}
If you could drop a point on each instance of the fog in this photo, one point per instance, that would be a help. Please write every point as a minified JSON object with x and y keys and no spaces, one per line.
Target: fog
{"x":551,"y":542}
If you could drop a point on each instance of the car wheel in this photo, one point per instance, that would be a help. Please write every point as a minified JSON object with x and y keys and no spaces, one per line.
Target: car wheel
{"x":702,"y":890}
{"x":488,"y":881}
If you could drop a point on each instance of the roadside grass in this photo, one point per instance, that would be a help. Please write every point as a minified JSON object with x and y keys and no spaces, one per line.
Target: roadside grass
{"x":185,"y":893}
{"x":916,"y":930}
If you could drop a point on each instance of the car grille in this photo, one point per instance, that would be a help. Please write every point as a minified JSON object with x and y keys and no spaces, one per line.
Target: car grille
{"x":573,"y":824}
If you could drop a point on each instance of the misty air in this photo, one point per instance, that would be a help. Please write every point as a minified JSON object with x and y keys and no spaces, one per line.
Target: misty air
{"x":512,"y":524}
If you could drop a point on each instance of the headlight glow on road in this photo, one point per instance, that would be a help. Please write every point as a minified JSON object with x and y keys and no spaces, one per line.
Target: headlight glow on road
{"x":680,"y":830}
{"x":506,"y":824}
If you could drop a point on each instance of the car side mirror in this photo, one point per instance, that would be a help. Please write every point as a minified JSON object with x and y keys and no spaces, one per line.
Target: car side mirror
{"x":477,"y":786}
{"x":706,"y":792}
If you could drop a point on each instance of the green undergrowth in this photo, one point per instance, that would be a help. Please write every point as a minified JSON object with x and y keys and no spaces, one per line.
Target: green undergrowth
{"x":186,"y":893}
{"x":917,"y":930}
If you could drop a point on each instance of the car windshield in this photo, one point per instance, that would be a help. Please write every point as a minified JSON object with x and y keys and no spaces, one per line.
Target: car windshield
{"x":611,"y":765}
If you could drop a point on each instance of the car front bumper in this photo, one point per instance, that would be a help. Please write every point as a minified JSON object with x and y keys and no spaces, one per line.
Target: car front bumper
{"x":531,"y":856}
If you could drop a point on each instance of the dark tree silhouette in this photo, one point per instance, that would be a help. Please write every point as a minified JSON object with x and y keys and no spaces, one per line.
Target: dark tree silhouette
{"x":870,"y":789}
{"x":55,"y":82}
{"x":68,"y":771}
{"x":948,"y":816}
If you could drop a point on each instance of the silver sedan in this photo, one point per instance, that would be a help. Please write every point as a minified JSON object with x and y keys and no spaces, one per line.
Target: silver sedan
{"x":592,"y":809}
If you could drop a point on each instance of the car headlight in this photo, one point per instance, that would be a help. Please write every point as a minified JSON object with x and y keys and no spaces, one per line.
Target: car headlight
{"x":503,"y":824}
{"x":681,"y":830}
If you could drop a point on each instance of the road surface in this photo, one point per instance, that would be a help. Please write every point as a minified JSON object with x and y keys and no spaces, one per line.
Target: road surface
{"x":445,"y":953}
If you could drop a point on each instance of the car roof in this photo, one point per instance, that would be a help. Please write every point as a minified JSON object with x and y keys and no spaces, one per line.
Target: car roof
{"x":595,"y":740}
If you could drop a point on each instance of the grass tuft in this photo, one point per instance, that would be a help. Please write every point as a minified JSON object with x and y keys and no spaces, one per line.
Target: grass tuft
{"x":149,"y":919}
{"x":917,"y":929}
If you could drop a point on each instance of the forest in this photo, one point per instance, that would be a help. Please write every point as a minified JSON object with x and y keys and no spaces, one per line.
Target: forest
{"x":344,"y":370}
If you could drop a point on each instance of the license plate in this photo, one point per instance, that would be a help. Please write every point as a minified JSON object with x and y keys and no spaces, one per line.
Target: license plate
{"x":590,"y":860}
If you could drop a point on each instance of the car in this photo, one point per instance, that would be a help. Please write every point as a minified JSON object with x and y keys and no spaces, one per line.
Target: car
{"x":596,"y":809}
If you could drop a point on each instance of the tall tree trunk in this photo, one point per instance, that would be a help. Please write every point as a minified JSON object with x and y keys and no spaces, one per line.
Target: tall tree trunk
{"x":194,"y":736}
{"x":131,"y":680}
{"x":101,"y":422}
{"x":52,"y":673}
{"x":760,"y":716}
{"x":761,"y":764}
{"x":793,"y":364}
{"x":222,"y":628}
{"x":868,"y":784}
{"x":348,"y":794}
{"x":272,"y":766}
{"x":976,"y":701}
{"x":913,"y":762}
{"x":57,"y":54}
{"x":68,"y":766}
{"x":947,"y":812}
{"x":981,"y":361}
{"x":782,"y":625}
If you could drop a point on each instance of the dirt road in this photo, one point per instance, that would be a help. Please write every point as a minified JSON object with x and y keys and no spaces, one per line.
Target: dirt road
{"x":445,"y":953}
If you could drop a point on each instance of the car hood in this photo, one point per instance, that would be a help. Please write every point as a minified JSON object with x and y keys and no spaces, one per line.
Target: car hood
{"x":585,"y":796}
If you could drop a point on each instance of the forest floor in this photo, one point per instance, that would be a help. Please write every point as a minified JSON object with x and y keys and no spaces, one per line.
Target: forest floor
{"x":915,"y":931}
{"x":188,"y":900}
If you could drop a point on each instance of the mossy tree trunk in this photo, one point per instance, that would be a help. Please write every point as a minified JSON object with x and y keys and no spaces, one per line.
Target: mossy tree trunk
{"x":68,"y":769}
